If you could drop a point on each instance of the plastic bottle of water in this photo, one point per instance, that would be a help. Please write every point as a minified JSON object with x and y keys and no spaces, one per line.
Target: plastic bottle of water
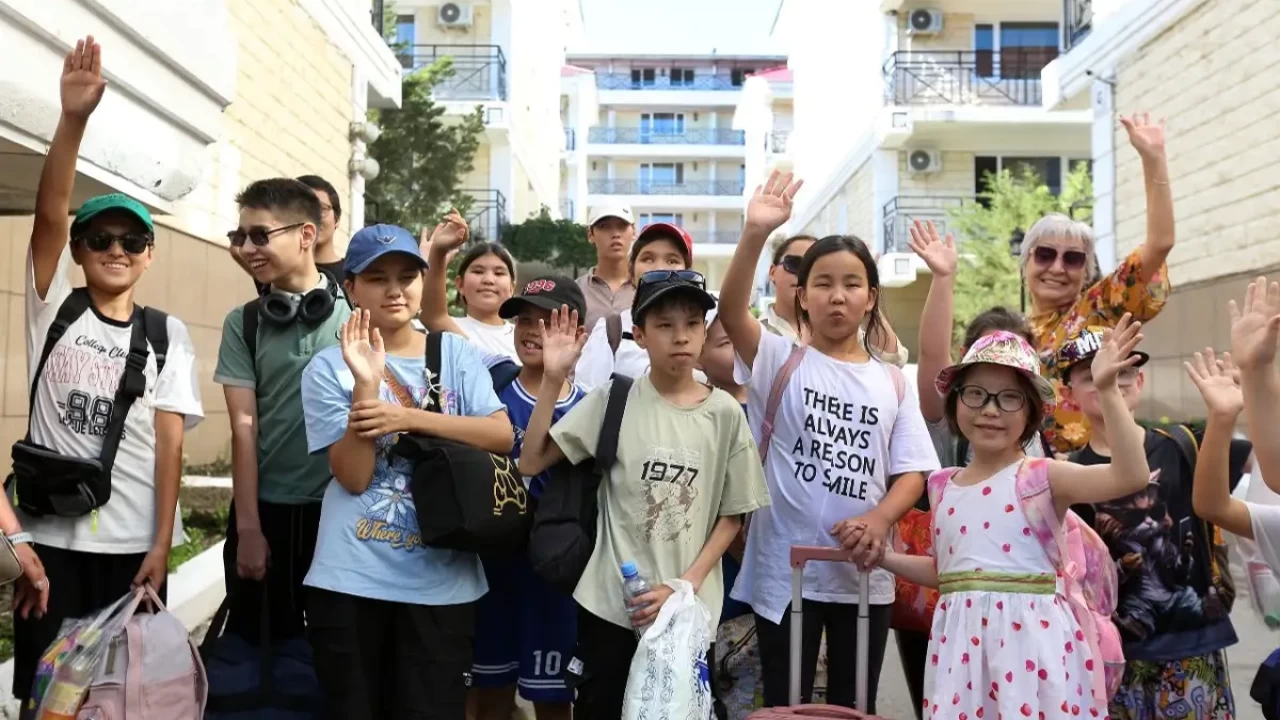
{"x":633,"y":586}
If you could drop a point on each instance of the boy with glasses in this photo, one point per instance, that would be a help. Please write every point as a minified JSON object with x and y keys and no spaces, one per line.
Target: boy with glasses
{"x":92,"y":351}
{"x":266,"y":345}
{"x":1175,"y":589}
{"x":328,"y":260}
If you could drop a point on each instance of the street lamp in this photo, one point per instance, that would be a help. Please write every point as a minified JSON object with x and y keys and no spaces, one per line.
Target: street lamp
{"x":1015,"y":249}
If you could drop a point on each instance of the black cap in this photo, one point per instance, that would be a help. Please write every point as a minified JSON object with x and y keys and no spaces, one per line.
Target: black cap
{"x":548,"y":292}
{"x":650,"y":292}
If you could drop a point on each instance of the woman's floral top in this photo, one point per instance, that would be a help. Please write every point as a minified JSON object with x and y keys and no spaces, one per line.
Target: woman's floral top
{"x":1103,"y":303}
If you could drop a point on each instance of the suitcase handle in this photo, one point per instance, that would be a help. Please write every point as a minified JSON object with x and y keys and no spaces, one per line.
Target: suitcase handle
{"x":801,"y":555}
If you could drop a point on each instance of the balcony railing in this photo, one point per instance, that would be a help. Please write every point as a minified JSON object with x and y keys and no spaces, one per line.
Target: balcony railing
{"x":479,"y":71}
{"x":1077,"y":16}
{"x":717,"y":237}
{"x":488,"y":213}
{"x":624,"y":81}
{"x":647,"y":136}
{"x":778,"y":141}
{"x":902,"y":210}
{"x":982,"y":77}
{"x":566,"y":209}
{"x":648,"y":187}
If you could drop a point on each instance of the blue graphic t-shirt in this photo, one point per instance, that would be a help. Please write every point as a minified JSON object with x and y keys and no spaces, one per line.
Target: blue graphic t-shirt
{"x":520,"y":404}
{"x":369,"y":544}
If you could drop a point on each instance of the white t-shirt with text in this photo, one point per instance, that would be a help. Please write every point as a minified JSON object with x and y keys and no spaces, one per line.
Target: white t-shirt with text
{"x":497,"y":339}
{"x":73,"y":406}
{"x":839,"y":435}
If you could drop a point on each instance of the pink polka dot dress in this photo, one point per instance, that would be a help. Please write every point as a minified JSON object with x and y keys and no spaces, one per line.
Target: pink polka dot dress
{"x":1003,"y":645}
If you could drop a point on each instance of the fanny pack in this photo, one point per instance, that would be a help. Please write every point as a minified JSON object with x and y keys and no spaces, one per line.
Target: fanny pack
{"x":46,"y":482}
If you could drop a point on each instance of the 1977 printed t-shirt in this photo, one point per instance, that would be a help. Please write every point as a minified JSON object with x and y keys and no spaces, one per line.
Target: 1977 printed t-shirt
{"x":839,"y":435}
{"x":678,"y":471}
{"x":369,"y":545}
{"x":73,"y":408}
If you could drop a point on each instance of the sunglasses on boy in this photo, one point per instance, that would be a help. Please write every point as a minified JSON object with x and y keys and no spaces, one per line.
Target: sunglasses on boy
{"x":259,"y":236}
{"x":791,"y":263}
{"x":1006,"y":400}
{"x":132,"y":244}
{"x":1071,"y":259}
{"x":692,"y":277}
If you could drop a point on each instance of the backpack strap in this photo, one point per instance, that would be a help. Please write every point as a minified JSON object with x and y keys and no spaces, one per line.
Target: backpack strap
{"x":435,"y":340}
{"x":775,"y":397}
{"x":133,"y":383}
{"x":71,"y":309}
{"x":936,"y":485}
{"x":607,"y":445}
{"x":503,"y":374}
{"x":613,"y":330}
{"x":1186,"y":441}
{"x":156,"y":325}
{"x":899,"y":381}
{"x":249,"y":330}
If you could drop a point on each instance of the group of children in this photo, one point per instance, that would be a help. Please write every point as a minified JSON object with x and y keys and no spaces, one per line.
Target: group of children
{"x":818,"y":442}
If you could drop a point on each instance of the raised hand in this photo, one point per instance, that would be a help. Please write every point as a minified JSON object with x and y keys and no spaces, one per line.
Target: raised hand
{"x":936,"y":252}
{"x":449,"y":235}
{"x":1116,"y":353}
{"x":1147,"y":137}
{"x":362,"y":349}
{"x":561,"y":343}
{"x":770,"y":206}
{"x":1218,"y":381}
{"x":1255,"y":328}
{"x":82,"y":83}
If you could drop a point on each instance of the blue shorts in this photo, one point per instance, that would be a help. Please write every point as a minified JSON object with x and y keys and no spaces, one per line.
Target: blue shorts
{"x":526,"y":632}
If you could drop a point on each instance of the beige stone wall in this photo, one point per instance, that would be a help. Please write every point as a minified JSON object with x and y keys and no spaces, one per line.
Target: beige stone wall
{"x":478,"y":178}
{"x":954,"y":180}
{"x":189,"y":278}
{"x":429,"y":32}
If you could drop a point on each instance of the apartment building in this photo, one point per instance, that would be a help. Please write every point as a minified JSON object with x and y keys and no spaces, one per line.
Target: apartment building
{"x":903,"y":107}
{"x":205,"y":96}
{"x":1206,"y":66}
{"x":657,"y":133}
{"x":507,"y":56}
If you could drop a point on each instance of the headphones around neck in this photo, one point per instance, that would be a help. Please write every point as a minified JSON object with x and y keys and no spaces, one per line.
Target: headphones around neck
{"x":311,"y":307}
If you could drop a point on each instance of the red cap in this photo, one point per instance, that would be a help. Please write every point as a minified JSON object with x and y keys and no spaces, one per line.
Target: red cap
{"x":662,"y":229}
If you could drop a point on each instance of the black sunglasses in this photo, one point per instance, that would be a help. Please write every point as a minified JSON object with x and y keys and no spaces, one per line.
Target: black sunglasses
{"x":791,"y":263}
{"x":132,"y":244}
{"x":1071,"y":259}
{"x":692,"y":277}
{"x":258,"y":236}
{"x":1006,"y":400}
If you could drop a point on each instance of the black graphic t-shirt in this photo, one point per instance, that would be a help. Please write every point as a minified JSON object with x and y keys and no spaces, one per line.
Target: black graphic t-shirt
{"x":1162,"y":553}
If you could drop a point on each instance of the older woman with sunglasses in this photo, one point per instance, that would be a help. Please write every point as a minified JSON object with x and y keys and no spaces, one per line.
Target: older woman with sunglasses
{"x":1068,"y":292}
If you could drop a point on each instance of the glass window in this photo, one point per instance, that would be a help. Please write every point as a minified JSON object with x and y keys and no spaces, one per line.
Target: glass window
{"x":983,"y":166}
{"x":676,"y":219}
{"x":642,"y":77}
{"x":681,"y":76}
{"x":404,"y":41}
{"x":984,"y":39}
{"x":1048,"y":170}
{"x":737,"y":76}
{"x":1025,"y":48}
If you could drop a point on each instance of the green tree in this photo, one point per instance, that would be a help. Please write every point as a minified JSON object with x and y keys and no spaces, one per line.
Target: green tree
{"x":990,"y":275}
{"x":423,"y":155}
{"x":559,"y":243}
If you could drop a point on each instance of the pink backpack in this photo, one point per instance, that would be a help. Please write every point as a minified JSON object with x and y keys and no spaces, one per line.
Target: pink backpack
{"x":152,"y":670}
{"x":1089,"y":575}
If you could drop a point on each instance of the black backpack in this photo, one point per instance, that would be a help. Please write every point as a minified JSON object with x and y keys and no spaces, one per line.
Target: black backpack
{"x":46,"y":482}
{"x":564,"y":524}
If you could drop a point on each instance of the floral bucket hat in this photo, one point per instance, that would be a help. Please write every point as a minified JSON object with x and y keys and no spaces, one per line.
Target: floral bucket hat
{"x":1000,"y":348}
{"x":1082,"y":347}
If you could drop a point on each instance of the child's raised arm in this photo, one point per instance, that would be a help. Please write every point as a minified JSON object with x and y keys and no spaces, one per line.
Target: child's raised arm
{"x":561,"y":347}
{"x":1128,"y":472}
{"x":1219,"y":384}
{"x":769,"y":208}
{"x":445,"y":240}
{"x":936,"y":319}
{"x":1255,"y":330}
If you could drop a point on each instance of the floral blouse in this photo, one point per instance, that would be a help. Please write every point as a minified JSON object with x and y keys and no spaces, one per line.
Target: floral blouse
{"x":1103,"y":303}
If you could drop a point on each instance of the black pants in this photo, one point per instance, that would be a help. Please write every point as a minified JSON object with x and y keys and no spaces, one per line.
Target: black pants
{"x":290,"y":531}
{"x":378,"y":659}
{"x":840,"y":621}
{"x":80,"y":584}
{"x":605,"y":651}
{"x":913,"y":648}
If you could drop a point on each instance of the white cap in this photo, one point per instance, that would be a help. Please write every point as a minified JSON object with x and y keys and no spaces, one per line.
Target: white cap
{"x":608,"y":211}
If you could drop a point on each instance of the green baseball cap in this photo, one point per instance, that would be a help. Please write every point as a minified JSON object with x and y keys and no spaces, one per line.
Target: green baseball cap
{"x":115,"y":201}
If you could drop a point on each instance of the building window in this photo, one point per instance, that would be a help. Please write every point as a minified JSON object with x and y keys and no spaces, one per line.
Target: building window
{"x":984,"y":39}
{"x":1048,"y":171}
{"x":642,"y":77}
{"x":661,"y":174}
{"x":1025,"y":48}
{"x":676,"y":219}
{"x":660,"y":124}
{"x":737,"y":76}
{"x":681,"y":77}
{"x":404,"y":41}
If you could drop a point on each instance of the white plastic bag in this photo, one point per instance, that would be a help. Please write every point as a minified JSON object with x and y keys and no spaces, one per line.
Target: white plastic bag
{"x":669,"y":677}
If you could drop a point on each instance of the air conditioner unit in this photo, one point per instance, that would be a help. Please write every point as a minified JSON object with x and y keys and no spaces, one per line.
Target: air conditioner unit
{"x":923,"y":160}
{"x":454,"y":15}
{"x":924,"y":21}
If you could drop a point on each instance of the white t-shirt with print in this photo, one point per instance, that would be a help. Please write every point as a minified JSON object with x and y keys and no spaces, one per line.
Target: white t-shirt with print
{"x":73,"y":406}
{"x":498,"y":339}
{"x":839,"y":435}
{"x":599,"y":362}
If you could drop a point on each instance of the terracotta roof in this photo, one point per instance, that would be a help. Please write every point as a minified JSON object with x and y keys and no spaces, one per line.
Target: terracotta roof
{"x":781,"y":73}
{"x":572,"y":70}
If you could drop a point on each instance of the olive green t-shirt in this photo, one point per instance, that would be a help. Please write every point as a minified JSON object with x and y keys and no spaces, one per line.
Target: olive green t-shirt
{"x":678,"y":471}
{"x":287,"y":473}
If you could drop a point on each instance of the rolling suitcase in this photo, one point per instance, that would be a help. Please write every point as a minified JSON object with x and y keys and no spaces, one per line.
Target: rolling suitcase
{"x":800,"y":556}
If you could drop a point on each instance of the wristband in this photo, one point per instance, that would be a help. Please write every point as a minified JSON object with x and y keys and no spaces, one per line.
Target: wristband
{"x":20,"y":538}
